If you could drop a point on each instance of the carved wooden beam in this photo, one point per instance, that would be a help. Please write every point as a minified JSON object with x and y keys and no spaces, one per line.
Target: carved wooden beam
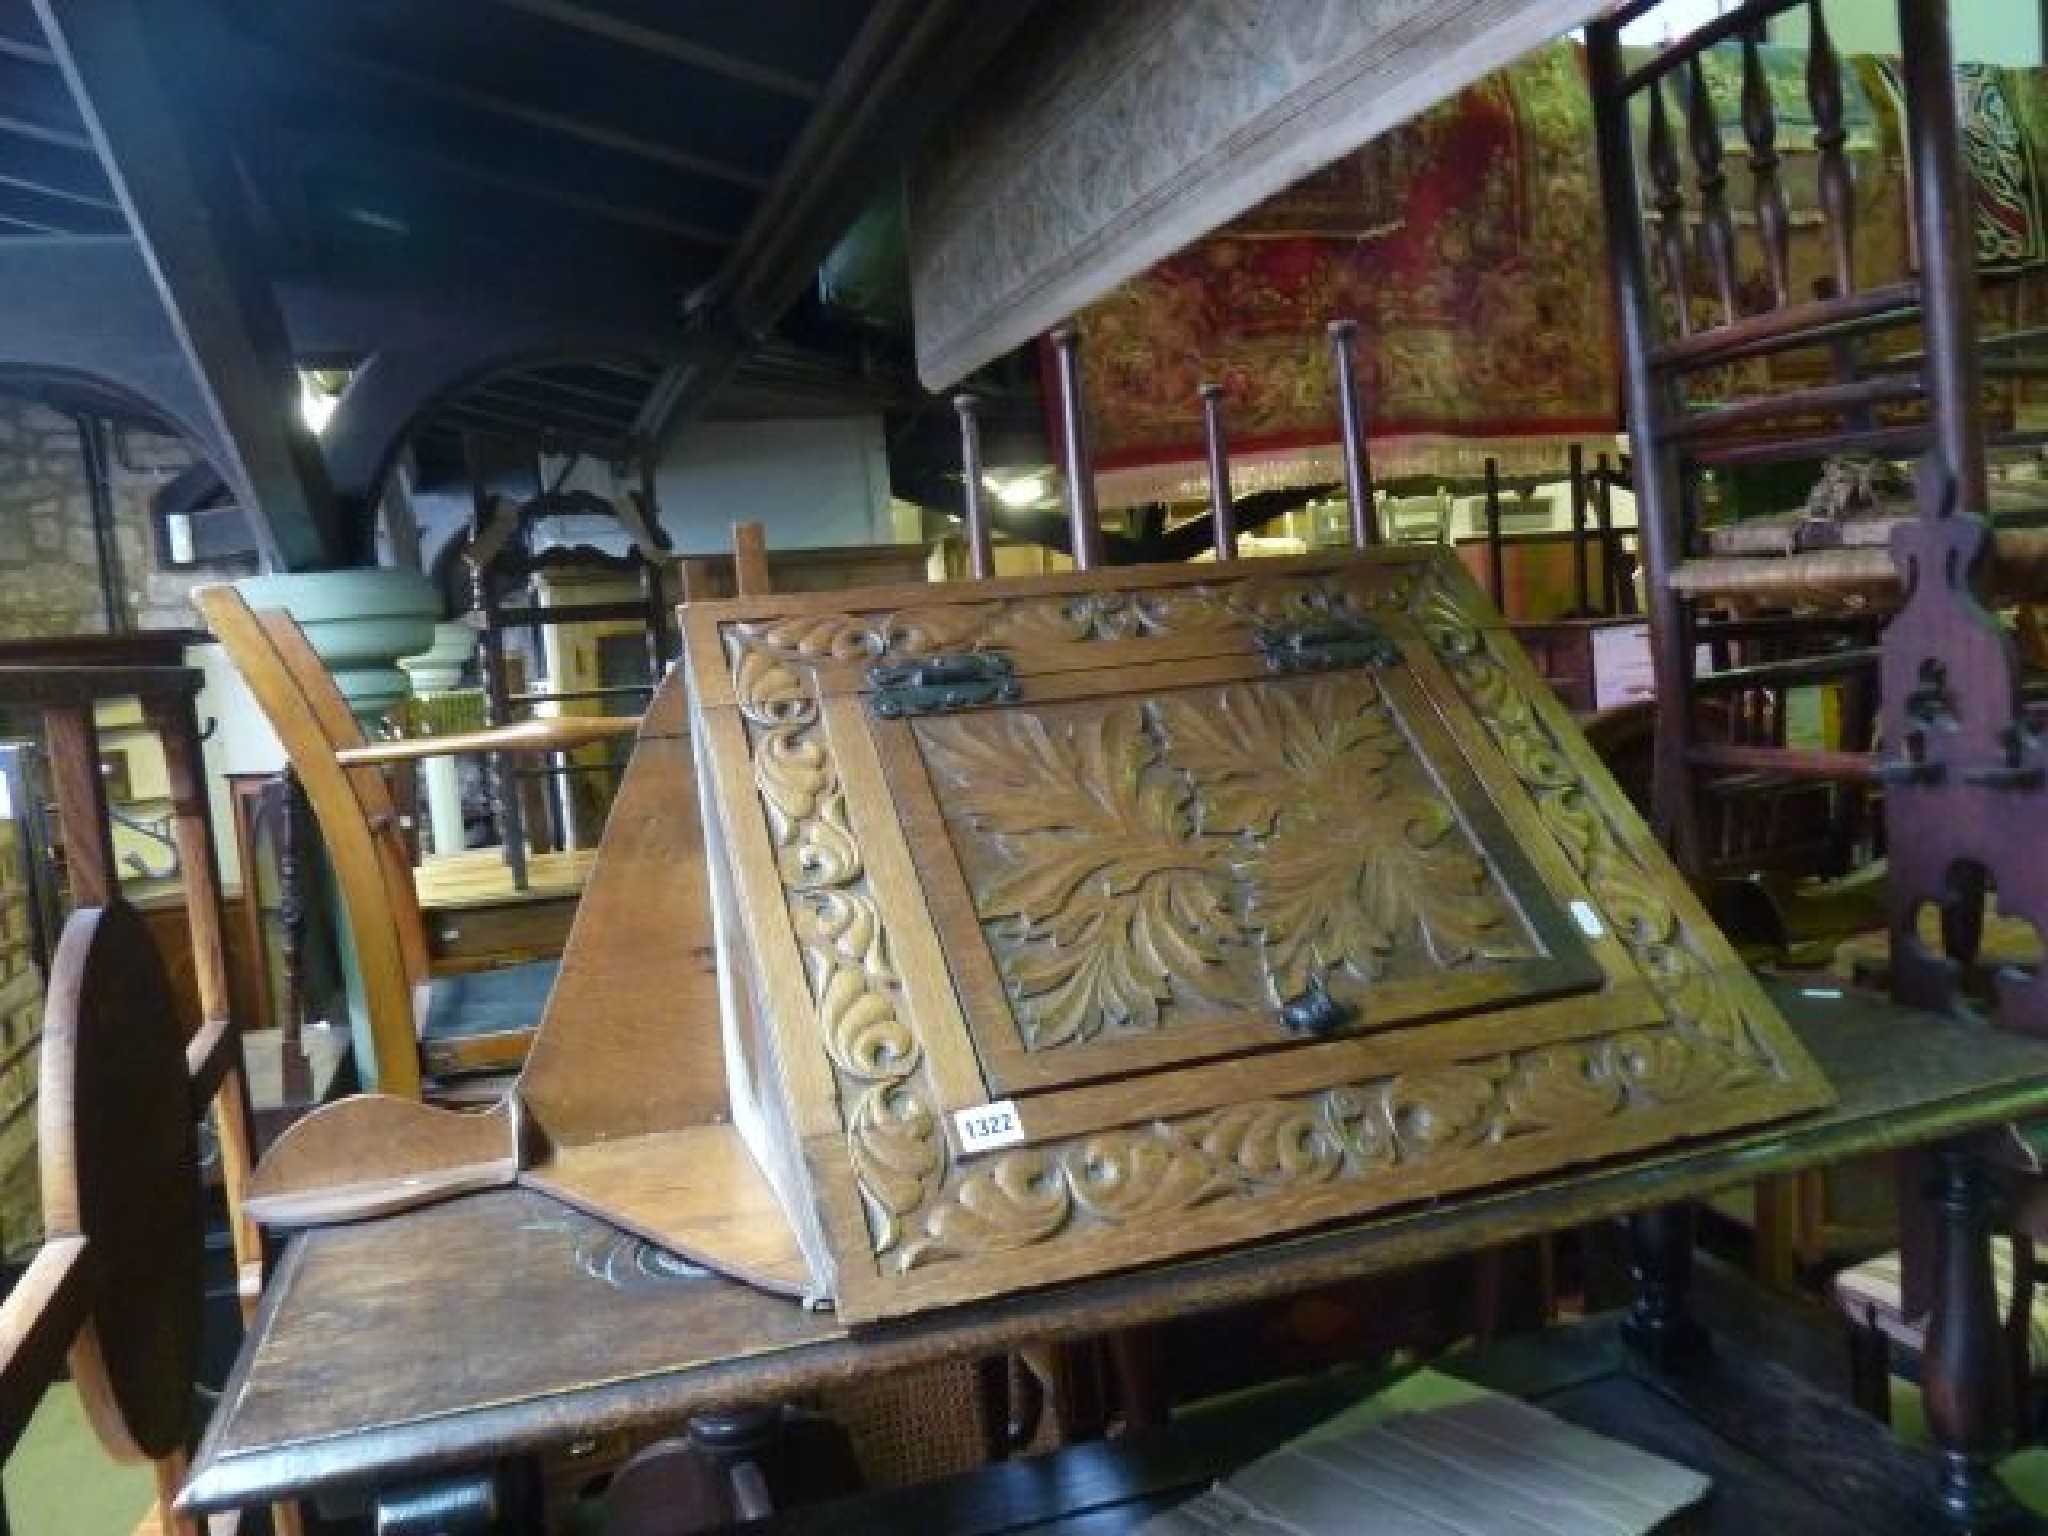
{"x":174,"y":183}
{"x":1204,"y":109}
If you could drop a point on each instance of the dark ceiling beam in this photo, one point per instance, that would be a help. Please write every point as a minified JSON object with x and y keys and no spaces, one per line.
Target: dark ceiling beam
{"x":550,"y":439}
{"x":910,"y":63}
{"x":172,"y":177}
{"x":620,"y":371}
{"x":684,"y":390}
{"x":335,"y":62}
{"x":605,"y":314}
{"x":551,"y":385}
{"x":43,"y":133}
{"x":533,"y":389}
{"x":69,"y":177}
{"x":87,"y":308}
{"x":496,"y":395}
{"x":406,"y":161}
{"x":912,"y":60}
{"x":630,"y":34}
{"x":60,"y":215}
{"x":21,"y":48}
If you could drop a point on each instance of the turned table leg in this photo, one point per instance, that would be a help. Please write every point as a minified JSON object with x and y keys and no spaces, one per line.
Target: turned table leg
{"x":1658,"y":1326}
{"x":1964,"y":1377}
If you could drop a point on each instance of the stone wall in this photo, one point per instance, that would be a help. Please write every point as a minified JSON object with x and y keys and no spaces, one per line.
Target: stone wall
{"x":49,"y":560}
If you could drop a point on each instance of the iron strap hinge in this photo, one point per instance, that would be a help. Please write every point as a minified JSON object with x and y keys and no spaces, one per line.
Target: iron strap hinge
{"x":932,"y":685}
{"x":1324,"y":645}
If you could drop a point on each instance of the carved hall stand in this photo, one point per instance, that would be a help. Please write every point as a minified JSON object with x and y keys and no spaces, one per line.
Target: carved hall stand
{"x":1961,"y":768}
{"x":62,"y":680}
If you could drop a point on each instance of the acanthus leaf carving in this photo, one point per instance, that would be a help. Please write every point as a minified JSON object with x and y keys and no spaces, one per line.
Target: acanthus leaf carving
{"x":1563,"y":1086}
{"x":1118,"y":854}
{"x":1446,"y":1109}
{"x":1695,"y":995}
{"x":898,"y":1157}
{"x":1270,"y":1141}
{"x":1012,"y":1202}
{"x":1122,"y":1176}
{"x":1101,"y":903}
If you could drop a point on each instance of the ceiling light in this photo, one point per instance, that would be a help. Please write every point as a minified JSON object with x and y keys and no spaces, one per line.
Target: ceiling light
{"x":316,"y":404}
{"x":1017,"y":491}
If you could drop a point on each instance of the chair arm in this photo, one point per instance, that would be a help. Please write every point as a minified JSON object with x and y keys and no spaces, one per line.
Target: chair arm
{"x":555,"y":733}
{"x":40,"y":1317}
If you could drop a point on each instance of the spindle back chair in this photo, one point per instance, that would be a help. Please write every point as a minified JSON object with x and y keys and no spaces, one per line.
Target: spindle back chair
{"x":1708,"y":309}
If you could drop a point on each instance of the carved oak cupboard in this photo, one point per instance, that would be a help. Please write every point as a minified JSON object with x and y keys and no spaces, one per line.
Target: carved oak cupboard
{"x":1109,"y":917}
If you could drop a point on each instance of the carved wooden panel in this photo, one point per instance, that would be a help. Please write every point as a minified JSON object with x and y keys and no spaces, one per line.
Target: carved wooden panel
{"x":1210,"y":862}
{"x":1101,"y":888}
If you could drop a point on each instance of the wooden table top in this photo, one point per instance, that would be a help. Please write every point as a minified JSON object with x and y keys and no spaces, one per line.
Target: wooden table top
{"x":504,"y":1322}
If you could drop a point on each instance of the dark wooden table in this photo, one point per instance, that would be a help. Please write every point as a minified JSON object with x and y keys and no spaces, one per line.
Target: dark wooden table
{"x":1784,"y":1454}
{"x":503,"y":1323}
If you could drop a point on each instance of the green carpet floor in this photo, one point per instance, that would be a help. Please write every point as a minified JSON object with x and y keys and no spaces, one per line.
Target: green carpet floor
{"x":60,"y":1483}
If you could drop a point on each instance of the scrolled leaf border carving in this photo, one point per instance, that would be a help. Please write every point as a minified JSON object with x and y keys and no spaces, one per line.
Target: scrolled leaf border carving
{"x":925,"y":1207}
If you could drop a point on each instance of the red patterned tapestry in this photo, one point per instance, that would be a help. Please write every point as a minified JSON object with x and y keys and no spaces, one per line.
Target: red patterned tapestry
{"x":1466,"y":243}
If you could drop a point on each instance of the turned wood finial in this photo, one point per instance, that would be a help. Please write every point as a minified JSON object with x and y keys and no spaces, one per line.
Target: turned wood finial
{"x":1365,"y":527}
{"x":1222,"y":515}
{"x":1670,"y":203}
{"x":1824,"y":95}
{"x":1082,"y":519}
{"x":981,"y":559}
{"x":1760,"y":130}
{"x":1717,"y":227}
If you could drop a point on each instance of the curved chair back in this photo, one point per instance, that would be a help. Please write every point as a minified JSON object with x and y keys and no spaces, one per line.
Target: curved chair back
{"x":358,"y":820}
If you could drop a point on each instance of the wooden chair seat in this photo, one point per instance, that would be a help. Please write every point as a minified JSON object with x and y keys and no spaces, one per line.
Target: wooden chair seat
{"x":1871,"y":1294}
{"x":481,"y":1021}
{"x":1852,"y":576}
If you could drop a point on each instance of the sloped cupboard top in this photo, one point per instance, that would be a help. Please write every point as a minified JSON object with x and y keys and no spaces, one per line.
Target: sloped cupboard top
{"x":1079,"y":922}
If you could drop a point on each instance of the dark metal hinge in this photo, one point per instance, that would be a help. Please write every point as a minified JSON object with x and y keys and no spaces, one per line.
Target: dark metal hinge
{"x":1324,"y":645}
{"x":934,"y":684}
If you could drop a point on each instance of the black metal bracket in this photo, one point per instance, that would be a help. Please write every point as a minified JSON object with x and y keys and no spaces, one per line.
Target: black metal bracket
{"x":1324,"y":645}
{"x":935,"y":684}
{"x":1314,"y":1012}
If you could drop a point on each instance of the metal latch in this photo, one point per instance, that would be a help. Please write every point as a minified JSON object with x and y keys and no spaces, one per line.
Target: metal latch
{"x":934,"y":684}
{"x":1314,"y":1012}
{"x":1324,"y":645}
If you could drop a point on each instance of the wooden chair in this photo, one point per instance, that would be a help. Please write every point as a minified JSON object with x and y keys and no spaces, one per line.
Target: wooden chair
{"x":1962,"y":766}
{"x":506,"y":581}
{"x":421,"y":1026}
{"x":1725,"y":773}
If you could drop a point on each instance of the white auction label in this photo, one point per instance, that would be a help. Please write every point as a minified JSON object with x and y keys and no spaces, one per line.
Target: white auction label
{"x":1588,"y":920}
{"x":986,"y":1126}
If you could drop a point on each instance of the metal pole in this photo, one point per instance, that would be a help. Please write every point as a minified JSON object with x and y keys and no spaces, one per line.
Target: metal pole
{"x":1365,"y":524}
{"x":1222,"y":515}
{"x":1582,"y":588}
{"x":981,"y":555}
{"x":1085,"y":525}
